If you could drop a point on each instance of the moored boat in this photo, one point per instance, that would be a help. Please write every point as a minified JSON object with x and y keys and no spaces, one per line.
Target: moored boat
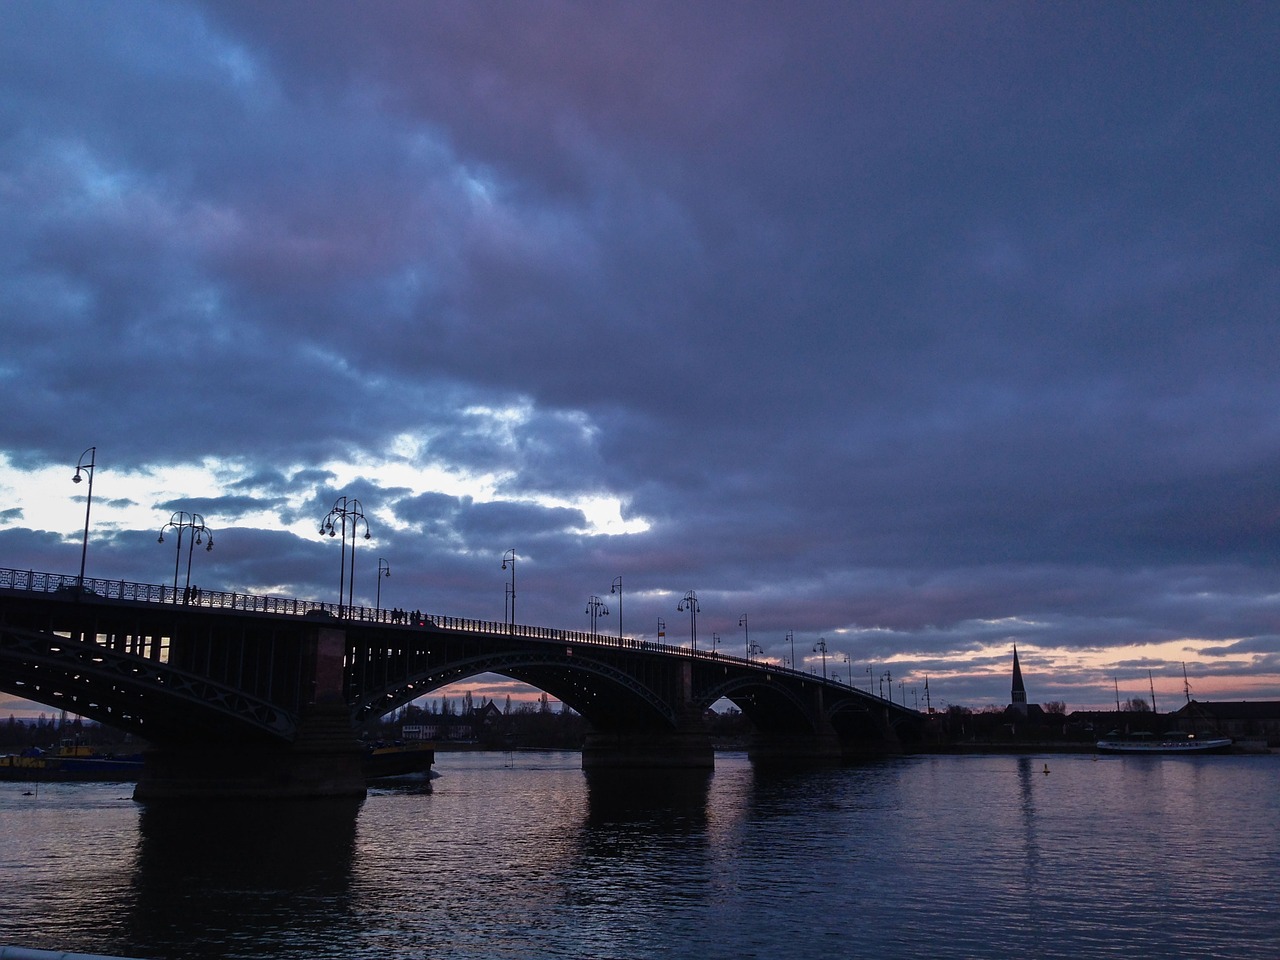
{"x":1165,"y":743}
{"x":399,"y":759}
{"x":79,"y":762}
{"x":69,"y":763}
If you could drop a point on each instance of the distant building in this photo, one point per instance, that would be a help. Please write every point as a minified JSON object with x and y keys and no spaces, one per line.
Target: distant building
{"x":1240,"y":720}
{"x":468,"y":726}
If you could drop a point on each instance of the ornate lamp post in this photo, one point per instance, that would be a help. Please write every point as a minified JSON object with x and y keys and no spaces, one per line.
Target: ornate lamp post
{"x":616,"y":587}
{"x":690,"y":603}
{"x":791,"y":638}
{"x":821,"y":645}
{"x":746,"y":634}
{"x":384,"y":570}
{"x":510,"y":558}
{"x":336,"y":522}
{"x":181,"y":521}
{"x":91,"y":454}
{"x":596,"y":608}
{"x":715,"y":643}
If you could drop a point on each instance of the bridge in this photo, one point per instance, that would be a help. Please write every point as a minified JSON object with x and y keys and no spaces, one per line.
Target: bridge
{"x":250,"y":696}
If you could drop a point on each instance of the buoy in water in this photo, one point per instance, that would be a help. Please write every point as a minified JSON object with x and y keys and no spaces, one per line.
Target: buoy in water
{"x":1046,"y":769}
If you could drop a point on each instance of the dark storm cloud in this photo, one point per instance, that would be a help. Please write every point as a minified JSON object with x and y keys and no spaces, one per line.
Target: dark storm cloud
{"x":945,"y":325}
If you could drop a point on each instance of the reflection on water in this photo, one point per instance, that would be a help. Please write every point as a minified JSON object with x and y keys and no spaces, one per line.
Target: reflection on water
{"x":206,"y":873}
{"x":520,"y":857}
{"x":666,"y":799}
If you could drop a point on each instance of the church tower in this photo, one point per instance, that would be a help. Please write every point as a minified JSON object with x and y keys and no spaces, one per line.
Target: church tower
{"x":1019,"y":693}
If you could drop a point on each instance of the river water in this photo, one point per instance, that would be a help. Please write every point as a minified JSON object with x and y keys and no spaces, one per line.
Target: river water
{"x":522,"y":856}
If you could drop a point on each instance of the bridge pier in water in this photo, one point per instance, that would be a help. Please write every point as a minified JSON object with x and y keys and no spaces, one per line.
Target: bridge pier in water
{"x":848,"y":735}
{"x":324,"y":761}
{"x":684,"y":749}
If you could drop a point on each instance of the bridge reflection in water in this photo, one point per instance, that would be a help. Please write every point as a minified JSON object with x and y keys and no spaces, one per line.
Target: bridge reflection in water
{"x":249,"y":696}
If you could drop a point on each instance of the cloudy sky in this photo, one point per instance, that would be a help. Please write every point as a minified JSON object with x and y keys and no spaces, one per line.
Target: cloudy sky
{"x":926,"y":329}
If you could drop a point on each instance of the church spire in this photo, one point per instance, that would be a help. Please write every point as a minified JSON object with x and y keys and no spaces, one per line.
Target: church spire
{"x":1019,"y":693}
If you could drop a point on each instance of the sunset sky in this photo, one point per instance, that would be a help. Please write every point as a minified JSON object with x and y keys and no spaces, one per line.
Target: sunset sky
{"x":926,"y":329}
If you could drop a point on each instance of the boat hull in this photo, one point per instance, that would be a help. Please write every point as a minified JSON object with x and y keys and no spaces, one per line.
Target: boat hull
{"x":399,"y":760}
{"x":1169,"y":747}
{"x":55,"y":768}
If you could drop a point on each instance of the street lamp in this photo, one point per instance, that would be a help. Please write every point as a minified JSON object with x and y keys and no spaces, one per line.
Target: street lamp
{"x":92,"y":454}
{"x":690,"y":603}
{"x":616,"y":587}
{"x":384,"y":570}
{"x":791,"y":636}
{"x":715,"y":642}
{"x":746,"y":634}
{"x":883,"y":677}
{"x":180,"y":521}
{"x":335,"y":522}
{"x":848,"y":664}
{"x":596,"y":608}
{"x":821,"y":645}
{"x":510,"y":557}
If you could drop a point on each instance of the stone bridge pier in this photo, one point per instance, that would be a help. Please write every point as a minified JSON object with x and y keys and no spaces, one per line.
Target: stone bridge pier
{"x":686,"y":746}
{"x":324,"y":760}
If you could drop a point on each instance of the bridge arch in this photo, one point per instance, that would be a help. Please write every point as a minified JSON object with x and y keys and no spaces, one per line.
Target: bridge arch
{"x":773,"y":707}
{"x":602,"y":693}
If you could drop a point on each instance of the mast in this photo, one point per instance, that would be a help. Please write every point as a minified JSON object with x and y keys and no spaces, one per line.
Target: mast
{"x":1152,"y":684}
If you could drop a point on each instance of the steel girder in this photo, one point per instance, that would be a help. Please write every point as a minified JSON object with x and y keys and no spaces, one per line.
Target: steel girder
{"x":144,"y":696}
{"x":520,"y":664}
{"x":775,"y":700}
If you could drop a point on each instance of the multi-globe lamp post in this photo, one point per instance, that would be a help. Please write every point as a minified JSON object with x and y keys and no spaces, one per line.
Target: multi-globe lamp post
{"x":86,"y":463}
{"x":596,"y":609}
{"x":346,"y":512}
{"x":821,"y":647}
{"x":690,"y":603}
{"x":182,"y":522}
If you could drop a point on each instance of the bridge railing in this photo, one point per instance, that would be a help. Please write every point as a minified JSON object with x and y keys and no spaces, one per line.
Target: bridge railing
{"x":70,"y":585}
